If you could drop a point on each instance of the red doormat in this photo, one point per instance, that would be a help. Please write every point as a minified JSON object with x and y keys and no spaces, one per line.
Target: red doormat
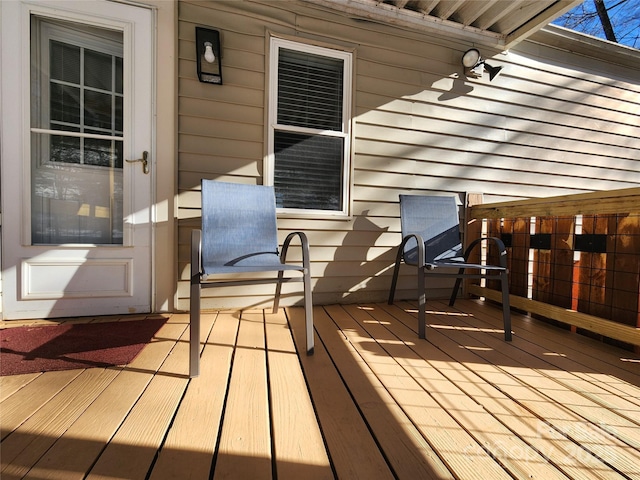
{"x":69,"y":346}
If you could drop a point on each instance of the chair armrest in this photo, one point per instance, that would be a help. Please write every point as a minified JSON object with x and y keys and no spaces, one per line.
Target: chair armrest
{"x":196,"y":254}
{"x":420,"y":246}
{"x":495,"y":240}
{"x":304,"y":244}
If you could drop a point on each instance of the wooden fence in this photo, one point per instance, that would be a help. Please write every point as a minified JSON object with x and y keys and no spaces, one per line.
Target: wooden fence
{"x":573,"y":259}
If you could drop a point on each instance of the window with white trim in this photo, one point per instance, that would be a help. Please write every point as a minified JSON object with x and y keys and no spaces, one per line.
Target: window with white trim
{"x":309,"y":128}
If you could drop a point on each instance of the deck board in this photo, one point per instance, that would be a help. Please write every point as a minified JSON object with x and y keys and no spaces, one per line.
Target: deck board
{"x":589,"y":423}
{"x":132,"y":449}
{"x":13,"y":383}
{"x":488,"y":432}
{"x":556,"y":407}
{"x":40,"y":431}
{"x":455,"y":445}
{"x":191,"y":442}
{"x":245,"y":442}
{"x":78,"y":448}
{"x":374,"y":402}
{"x":297,"y":440}
{"x":483,"y":354}
{"x":353,"y":451}
{"x":24,"y":403}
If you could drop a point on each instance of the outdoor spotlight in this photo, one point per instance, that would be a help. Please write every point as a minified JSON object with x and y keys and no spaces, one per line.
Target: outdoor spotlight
{"x":208,"y":55}
{"x":475,"y":66}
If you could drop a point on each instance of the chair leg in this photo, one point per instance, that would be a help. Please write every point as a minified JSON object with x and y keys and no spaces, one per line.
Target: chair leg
{"x":194,"y":305}
{"x":506,"y":307}
{"x":276,"y":299}
{"x":394,"y":278}
{"x":194,"y":331}
{"x":308,"y":311}
{"x":422,"y":300}
{"x":456,"y":288}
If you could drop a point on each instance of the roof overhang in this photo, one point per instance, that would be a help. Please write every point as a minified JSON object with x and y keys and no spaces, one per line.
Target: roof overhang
{"x":498,"y":24}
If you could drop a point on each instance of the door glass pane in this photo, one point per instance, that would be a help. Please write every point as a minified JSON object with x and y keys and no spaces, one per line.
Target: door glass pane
{"x":76,"y":134}
{"x":65,"y":149}
{"x":97,"y":70}
{"x":64,"y":104}
{"x":67,"y":62}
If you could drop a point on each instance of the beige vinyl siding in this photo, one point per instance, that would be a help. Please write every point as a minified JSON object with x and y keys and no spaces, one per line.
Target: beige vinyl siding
{"x":553,"y":123}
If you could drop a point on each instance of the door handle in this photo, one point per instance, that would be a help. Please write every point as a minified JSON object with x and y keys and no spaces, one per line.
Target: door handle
{"x":144,"y":160}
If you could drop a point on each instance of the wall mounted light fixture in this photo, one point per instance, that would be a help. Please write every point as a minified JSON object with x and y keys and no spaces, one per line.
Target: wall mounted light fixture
{"x":475,"y":66}
{"x":208,"y":55}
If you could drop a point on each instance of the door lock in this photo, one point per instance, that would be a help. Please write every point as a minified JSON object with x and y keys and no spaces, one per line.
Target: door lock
{"x":144,"y":160}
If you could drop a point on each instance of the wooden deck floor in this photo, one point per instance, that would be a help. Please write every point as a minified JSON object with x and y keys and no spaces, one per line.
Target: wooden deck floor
{"x":374,"y":402}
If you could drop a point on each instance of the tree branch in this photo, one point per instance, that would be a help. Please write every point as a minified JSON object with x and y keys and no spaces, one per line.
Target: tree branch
{"x":604,"y":19}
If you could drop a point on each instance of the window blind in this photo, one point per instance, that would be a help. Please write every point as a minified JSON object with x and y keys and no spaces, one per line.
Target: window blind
{"x":308,"y":171}
{"x":309,"y":90}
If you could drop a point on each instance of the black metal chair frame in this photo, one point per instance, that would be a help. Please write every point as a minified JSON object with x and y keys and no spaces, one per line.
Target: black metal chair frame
{"x":424,"y":269}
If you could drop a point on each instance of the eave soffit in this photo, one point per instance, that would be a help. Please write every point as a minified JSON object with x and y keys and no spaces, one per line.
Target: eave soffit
{"x":499,"y":24}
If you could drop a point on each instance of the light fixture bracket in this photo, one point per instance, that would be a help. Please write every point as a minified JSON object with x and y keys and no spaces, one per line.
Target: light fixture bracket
{"x":477,"y":71}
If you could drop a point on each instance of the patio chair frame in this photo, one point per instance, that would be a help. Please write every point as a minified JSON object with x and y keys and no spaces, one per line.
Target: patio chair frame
{"x":200,"y":278}
{"x":424,"y":269}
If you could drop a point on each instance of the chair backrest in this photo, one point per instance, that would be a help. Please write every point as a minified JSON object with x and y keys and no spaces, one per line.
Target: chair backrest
{"x":239,"y":226}
{"x":435,"y":219}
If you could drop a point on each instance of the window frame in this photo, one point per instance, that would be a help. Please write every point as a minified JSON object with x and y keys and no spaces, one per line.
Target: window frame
{"x":275,"y":44}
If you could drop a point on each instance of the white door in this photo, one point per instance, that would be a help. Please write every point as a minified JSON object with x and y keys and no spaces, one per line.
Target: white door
{"x":76,"y":109}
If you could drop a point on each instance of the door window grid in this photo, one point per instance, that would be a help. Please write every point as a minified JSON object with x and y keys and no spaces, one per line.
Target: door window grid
{"x":86,"y":97}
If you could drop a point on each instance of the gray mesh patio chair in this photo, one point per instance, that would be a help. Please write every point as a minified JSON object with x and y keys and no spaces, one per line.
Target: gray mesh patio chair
{"x":431,"y":242}
{"x":239,"y":235}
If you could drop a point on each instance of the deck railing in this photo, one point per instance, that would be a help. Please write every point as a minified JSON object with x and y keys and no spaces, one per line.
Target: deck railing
{"x":573,"y":259}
